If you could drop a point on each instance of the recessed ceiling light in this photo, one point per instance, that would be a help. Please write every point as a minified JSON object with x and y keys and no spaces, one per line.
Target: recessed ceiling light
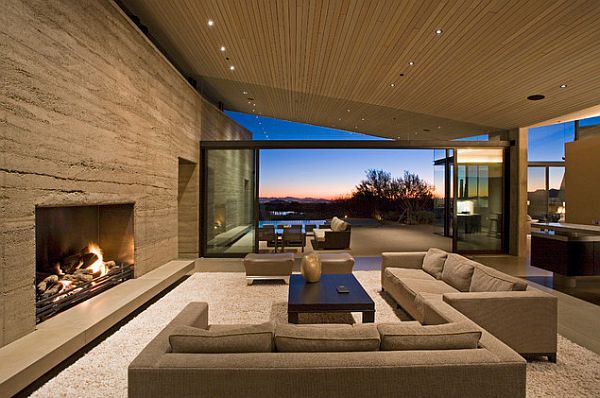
{"x":347,"y":110}
{"x":253,"y":104}
{"x":439,"y":31}
{"x":362,"y":118}
{"x":245,"y":93}
{"x":249,"y":102}
{"x":536,"y":97}
{"x":339,"y":118}
{"x":210,"y":22}
{"x":222,"y":48}
{"x":231,"y":67}
{"x":411,"y":63}
{"x":392,"y":85}
{"x":563,"y":86}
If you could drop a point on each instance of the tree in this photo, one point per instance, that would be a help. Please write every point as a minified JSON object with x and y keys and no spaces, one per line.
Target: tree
{"x":379,"y":194}
{"x":414,"y":193}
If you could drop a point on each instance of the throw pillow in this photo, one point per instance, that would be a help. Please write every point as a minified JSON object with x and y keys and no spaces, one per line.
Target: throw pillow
{"x":433,"y":263}
{"x":335,"y":224}
{"x":296,"y":338}
{"x":458,"y":271}
{"x":448,"y":336}
{"x":245,"y":338}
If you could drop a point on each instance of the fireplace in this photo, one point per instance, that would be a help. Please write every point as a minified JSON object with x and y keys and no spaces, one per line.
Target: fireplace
{"x":81,"y":251}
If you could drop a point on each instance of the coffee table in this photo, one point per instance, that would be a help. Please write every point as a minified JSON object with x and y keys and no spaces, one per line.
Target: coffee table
{"x":323,"y":297}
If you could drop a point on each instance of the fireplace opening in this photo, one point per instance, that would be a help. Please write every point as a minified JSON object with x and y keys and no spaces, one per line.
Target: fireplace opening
{"x":81,"y":251}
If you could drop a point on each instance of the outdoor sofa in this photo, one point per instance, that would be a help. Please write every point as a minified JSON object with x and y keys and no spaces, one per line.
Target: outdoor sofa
{"x":335,"y":236}
{"x":521,"y":316}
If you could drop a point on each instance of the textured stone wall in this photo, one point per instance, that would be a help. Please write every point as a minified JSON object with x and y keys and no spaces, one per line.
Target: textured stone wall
{"x":90,"y":113}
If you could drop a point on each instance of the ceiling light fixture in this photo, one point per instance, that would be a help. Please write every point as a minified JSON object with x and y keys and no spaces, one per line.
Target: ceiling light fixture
{"x":362,"y":118}
{"x":439,"y":31}
{"x":411,"y":63}
{"x":536,"y":97}
{"x":392,"y":85}
{"x":210,"y":22}
{"x":245,"y":93}
{"x":231,"y":67}
{"x":222,"y":48}
{"x":347,"y":110}
{"x":563,"y":86}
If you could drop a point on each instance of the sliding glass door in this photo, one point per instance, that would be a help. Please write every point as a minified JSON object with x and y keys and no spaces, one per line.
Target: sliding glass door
{"x":229,"y":191}
{"x":479,"y":223}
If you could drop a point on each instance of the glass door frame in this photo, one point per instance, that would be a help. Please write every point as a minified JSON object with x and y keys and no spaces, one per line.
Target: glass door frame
{"x":453,"y":146}
{"x":505,"y":206}
{"x":203,"y":224}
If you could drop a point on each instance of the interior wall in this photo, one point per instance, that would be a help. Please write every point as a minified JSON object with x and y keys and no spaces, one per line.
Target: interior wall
{"x":90,"y":113}
{"x":582,"y":185}
{"x":517,"y":195}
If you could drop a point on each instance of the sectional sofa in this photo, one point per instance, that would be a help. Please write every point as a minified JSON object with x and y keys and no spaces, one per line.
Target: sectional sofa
{"x":454,"y":358}
{"x":521,"y":316}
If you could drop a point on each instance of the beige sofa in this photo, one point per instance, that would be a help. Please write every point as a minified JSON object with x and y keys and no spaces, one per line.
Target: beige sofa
{"x":490,"y":370}
{"x":523,"y":317}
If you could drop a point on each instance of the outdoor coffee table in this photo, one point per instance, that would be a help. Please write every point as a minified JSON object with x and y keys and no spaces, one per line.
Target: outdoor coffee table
{"x":323,"y":297}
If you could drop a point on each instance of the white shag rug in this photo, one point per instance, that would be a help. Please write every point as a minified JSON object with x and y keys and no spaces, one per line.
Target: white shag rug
{"x":102,"y":372}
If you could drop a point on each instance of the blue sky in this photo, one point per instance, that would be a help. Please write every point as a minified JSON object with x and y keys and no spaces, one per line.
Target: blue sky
{"x":323,"y":173}
{"x":329,"y":173}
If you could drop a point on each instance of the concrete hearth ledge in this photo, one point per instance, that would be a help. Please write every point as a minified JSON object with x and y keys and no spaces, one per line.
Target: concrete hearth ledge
{"x":25,"y":360}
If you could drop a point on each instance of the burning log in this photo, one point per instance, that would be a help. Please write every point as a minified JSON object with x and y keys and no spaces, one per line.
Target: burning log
{"x":47,"y":283}
{"x":70,"y":263}
{"x":88,"y":259}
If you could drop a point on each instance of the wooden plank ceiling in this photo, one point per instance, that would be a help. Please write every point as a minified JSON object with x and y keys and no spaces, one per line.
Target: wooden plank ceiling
{"x":347,"y":63}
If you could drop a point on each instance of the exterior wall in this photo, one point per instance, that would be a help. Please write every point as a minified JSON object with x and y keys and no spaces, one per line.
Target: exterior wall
{"x":582,"y":185}
{"x":90,"y":113}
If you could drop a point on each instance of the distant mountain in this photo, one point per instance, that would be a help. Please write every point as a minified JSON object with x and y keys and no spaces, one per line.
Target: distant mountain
{"x":289,"y":199}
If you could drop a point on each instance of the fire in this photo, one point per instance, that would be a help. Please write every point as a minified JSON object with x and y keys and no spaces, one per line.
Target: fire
{"x":98,"y":266}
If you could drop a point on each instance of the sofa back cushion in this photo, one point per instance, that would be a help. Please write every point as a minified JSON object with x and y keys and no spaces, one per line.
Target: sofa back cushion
{"x":231,"y":339}
{"x":433,"y":263}
{"x":458,"y":271}
{"x":486,"y":279}
{"x":447,"y":336}
{"x":326,"y":338}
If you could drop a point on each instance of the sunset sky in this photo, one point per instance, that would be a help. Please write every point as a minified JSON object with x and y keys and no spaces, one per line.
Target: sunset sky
{"x":329,"y":173}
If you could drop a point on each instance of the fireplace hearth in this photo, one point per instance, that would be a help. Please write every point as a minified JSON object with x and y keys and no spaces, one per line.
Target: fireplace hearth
{"x":81,"y":251}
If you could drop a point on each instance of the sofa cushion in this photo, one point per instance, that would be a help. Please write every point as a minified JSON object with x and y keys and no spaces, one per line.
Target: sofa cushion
{"x":458,"y":271}
{"x":486,"y":279}
{"x":224,"y":339}
{"x":433,"y":263}
{"x":320,"y":233}
{"x":410,"y":273}
{"x":447,"y":336}
{"x":416,"y":286}
{"x":312,"y":338}
{"x":338,"y":225}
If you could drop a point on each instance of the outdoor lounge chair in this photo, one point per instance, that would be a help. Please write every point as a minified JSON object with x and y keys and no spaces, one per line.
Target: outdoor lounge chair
{"x":293,"y":237}
{"x":267,"y":233}
{"x":332,"y":238}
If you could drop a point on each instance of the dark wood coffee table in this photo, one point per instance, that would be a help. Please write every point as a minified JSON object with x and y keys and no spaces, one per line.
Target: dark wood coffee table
{"x":323,"y":297}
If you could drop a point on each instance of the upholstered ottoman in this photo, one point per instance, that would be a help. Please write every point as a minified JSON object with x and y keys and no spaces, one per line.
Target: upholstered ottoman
{"x":336,"y":263}
{"x":268,"y":266}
